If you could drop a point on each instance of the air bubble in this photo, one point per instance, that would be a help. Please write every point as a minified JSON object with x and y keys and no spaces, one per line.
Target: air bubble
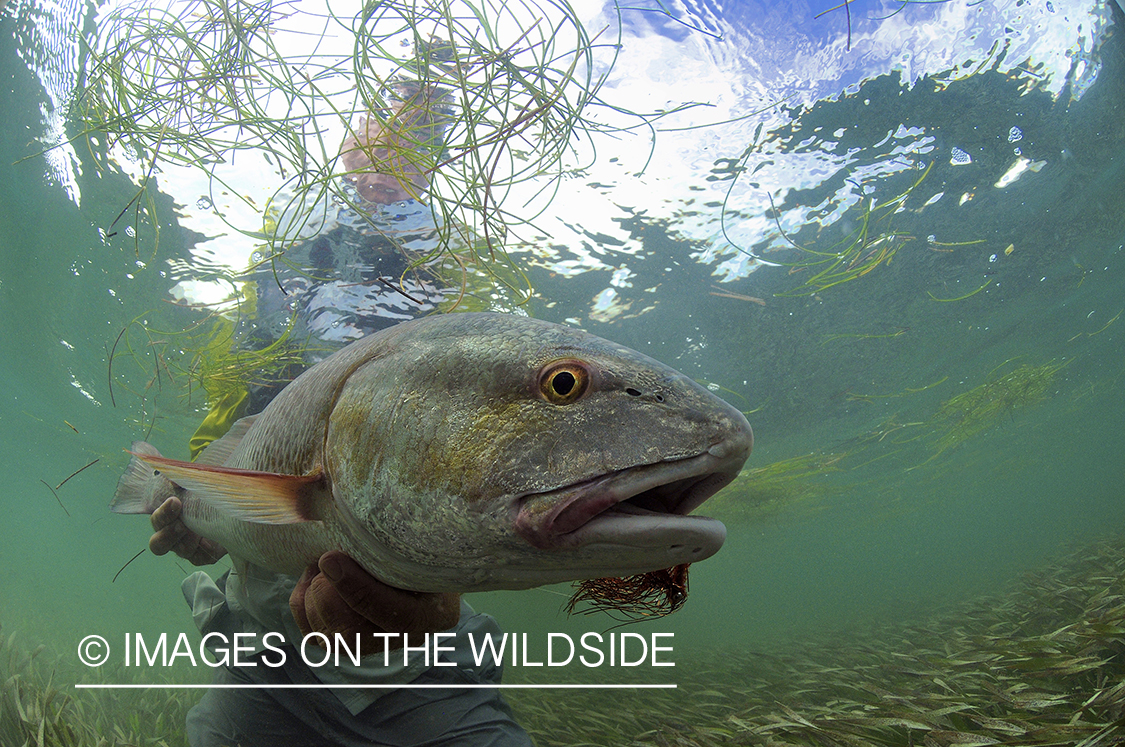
{"x":959,"y":157}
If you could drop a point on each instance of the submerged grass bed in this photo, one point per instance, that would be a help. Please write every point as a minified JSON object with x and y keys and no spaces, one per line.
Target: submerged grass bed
{"x":1042,"y":664}
{"x":39,"y":705}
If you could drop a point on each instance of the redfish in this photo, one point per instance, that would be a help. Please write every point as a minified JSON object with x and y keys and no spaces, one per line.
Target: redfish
{"x":465,"y":452}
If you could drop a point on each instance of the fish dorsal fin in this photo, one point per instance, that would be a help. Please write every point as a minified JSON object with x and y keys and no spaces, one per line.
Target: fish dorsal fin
{"x":219,"y":451}
{"x":248,"y":495}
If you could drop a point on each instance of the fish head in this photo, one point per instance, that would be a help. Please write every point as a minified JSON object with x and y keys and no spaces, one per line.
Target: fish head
{"x":489,"y":451}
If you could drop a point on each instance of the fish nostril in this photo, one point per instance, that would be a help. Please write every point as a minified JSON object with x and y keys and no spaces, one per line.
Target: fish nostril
{"x":634,"y":392}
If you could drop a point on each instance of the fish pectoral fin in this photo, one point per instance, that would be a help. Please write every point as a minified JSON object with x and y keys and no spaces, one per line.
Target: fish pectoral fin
{"x":249,"y":495}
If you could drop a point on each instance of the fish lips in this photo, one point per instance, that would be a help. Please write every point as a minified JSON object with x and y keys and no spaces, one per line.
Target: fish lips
{"x":642,"y":509}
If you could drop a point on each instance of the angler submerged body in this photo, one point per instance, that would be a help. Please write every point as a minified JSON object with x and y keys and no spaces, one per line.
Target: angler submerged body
{"x":389,"y":157}
{"x":465,"y":452}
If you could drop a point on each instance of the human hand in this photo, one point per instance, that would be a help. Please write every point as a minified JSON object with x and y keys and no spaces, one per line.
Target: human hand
{"x":171,"y":534}
{"x":338,"y":596}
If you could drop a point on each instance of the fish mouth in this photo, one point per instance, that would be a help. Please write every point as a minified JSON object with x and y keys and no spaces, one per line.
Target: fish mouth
{"x":639,"y":513}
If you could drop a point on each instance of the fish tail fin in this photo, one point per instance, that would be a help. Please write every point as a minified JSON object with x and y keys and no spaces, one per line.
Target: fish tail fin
{"x":134,"y":494}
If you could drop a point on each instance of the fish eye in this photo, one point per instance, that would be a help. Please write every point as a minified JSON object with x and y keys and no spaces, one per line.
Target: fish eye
{"x":564,"y":382}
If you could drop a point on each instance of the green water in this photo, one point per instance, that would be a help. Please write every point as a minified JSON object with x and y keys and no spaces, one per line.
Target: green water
{"x":897,"y":530}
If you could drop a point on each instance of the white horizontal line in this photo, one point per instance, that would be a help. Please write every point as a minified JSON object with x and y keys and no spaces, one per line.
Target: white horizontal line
{"x":322,"y":686}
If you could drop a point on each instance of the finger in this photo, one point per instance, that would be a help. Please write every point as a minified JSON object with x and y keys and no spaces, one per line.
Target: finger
{"x":197,"y":550}
{"x":362,"y":593}
{"x":327,"y":612}
{"x":167,"y":513}
{"x":394,"y":610}
{"x":167,"y":538}
{"x":187,"y":544}
{"x":209,"y":552}
{"x":297,"y":600}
